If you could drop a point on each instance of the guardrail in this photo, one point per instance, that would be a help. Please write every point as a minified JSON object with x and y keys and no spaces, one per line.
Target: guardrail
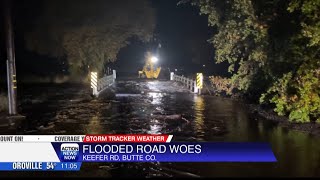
{"x":187,"y":82}
{"x":99,"y":85}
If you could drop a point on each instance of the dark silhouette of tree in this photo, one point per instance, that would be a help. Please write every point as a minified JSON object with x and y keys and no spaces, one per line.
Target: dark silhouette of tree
{"x":90,"y":33}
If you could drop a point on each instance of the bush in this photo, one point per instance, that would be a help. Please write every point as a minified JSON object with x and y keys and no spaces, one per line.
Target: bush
{"x":297,"y":96}
{"x":221,"y":85}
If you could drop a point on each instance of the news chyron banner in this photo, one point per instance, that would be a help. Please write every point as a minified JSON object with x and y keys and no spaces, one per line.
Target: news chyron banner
{"x":68,"y":152}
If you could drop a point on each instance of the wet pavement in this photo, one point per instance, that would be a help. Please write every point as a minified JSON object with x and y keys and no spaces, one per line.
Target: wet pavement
{"x":163,"y":107}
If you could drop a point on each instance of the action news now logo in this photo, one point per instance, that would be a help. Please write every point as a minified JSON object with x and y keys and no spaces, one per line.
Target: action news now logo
{"x":69,"y":152}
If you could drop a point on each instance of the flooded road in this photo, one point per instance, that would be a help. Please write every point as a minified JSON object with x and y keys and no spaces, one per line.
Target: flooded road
{"x":162,"y":107}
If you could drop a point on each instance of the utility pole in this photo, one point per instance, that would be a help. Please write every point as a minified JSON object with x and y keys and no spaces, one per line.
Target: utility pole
{"x":11,"y":66}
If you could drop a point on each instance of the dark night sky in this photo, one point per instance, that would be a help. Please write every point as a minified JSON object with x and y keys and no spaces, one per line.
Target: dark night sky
{"x":183,"y":34}
{"x":181,"y":31}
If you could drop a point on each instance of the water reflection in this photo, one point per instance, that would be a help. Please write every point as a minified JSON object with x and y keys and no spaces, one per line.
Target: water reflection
{"x":155,"y":97}
{"x":199,"y":107}
{"x":155,"y":129}
{"x":94,"y":126}
{"x":297,"y":153}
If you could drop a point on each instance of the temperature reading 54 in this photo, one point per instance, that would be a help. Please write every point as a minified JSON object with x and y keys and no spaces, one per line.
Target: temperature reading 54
{"x":50,"y":165}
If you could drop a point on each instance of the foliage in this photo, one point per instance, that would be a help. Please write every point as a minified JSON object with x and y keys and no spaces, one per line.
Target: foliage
{"x":241,"y":37}
{"x":272,"y":48}
{"x":299,"y":95}
{"x":90,"y":33}
{"x":298,"y":92}
{"x":310,"y":11}
{"x":221,"y":85}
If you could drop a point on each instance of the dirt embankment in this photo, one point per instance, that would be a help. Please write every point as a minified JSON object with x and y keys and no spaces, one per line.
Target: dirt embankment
{"x":283,"y":121}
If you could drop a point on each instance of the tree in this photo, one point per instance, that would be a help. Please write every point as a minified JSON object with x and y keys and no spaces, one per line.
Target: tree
{"x":241,"y":37}
{"x":297,"y":93}
{"x":90,"y":33}
{"x":272,"y":48}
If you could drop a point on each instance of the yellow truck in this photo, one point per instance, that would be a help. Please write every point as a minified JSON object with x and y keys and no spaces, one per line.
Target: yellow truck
{"x":150,"y":70}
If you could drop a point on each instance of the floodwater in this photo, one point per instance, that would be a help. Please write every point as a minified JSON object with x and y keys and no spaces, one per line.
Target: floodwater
{"x":142,"y":107}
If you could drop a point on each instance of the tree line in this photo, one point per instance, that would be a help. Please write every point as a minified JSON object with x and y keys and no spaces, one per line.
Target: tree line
{"x":89,"y":33}
{"x":273,"y":51}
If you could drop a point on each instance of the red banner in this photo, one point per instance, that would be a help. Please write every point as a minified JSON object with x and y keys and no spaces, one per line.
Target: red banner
{"x":141,"y":138}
